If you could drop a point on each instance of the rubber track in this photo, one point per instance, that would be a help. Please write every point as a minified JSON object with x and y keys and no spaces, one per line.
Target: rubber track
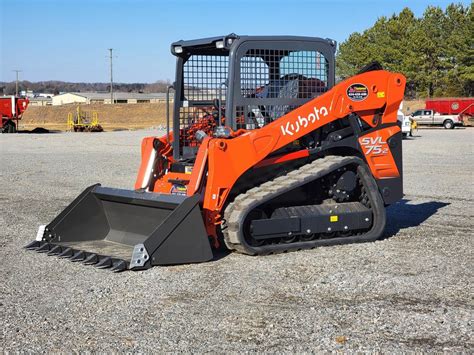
{"x":236,"y":211}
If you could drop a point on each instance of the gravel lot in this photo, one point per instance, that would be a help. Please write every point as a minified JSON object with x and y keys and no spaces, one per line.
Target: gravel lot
{"x":411,"y":291}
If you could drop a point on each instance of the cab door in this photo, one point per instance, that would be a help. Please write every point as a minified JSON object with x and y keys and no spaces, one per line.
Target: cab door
{"x":418,"y":116}
{"x":428,"y":117}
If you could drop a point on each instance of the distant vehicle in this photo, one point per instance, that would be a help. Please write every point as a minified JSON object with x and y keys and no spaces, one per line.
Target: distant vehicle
{"x":452,"y":106}
{"x":432,"y":118}
{"x":83,"y":121}
{"x":407,"y":127}
{"x":11,"y":109}
{"x":405,"y":122}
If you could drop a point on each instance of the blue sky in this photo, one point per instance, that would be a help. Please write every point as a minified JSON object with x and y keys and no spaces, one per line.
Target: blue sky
{"x":68,"y":39}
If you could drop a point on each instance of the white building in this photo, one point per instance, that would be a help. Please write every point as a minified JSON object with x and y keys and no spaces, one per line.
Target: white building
{"x":104,"y":98}
{"x":27,"y":93}
{"x":68,"y":98}
{"x":41,"y":101}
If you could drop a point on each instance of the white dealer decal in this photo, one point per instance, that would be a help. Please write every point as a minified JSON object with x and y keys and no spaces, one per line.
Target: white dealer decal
{"x":374,"y":145}
{"x":292,"y":128}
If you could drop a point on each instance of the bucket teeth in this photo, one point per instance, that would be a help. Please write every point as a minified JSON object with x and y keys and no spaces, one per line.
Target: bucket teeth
{"x":119,"y":266}
{"x":56,"y":250}
{"x":91,"y":259}
{"x":46,"y":247}
{"x":79,"y":256}
{"x":33,"y":245}
{"x":67,"y":253}
{"x":104,"y":263}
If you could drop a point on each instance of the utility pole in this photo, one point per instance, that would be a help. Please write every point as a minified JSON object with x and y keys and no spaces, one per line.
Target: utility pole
{"x":111,"y":79}
{"x":16,"y":86}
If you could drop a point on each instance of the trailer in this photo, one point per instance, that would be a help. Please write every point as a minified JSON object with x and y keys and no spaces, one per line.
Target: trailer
{"x":11,"y":109}
{"x":452,"y":106}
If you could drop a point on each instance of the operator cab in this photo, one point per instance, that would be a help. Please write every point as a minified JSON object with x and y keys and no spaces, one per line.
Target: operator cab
{"x":244,"y":82}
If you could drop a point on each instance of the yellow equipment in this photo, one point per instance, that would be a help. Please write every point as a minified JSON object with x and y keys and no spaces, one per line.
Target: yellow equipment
{"x":83,"y":121}
{"x":414,"y":126}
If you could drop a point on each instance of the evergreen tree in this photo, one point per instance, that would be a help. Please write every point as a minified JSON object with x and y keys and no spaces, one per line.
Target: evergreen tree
{"x":435,"y":52}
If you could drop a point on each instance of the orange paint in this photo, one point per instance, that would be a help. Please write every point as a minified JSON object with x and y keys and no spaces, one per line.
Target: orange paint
{"x":225,"y":160}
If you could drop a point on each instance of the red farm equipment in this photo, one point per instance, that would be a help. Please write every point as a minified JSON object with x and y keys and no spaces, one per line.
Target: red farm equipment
{"x":463,"y":106}
{"x":11,"y":108}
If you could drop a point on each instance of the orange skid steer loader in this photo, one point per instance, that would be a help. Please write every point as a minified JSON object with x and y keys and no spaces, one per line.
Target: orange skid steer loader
{"x":267,"y":154}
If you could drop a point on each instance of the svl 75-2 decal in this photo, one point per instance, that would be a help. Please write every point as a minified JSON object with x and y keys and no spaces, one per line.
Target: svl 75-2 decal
{"x":374,"y":145}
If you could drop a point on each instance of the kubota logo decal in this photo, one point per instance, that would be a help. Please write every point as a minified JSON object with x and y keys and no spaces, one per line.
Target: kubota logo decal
{"x":303,"y":122}
{"x":374,"y":145}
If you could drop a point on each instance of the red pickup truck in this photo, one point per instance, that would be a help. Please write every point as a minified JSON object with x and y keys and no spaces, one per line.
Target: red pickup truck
{"x":11,"y":109}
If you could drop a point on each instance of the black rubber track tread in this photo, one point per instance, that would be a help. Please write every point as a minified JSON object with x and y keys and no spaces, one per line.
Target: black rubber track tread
{"x":236,"y":212}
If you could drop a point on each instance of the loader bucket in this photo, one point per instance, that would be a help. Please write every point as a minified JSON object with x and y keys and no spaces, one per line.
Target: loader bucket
{"x":123,"y":229}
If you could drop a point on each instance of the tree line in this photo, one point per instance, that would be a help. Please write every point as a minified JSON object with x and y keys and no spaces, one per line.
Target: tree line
{"x":56,"y":87}
{"x":435,"y":52}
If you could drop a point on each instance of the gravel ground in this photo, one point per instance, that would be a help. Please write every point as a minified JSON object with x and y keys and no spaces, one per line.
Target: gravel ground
{"x":410,"y":291}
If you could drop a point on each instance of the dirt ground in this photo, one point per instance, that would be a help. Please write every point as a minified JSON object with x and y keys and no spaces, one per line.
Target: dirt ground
{"x":119,"y":116}
{"x":412,"y":105}
{"x":111,"y":117}
{"x":412,"y":291}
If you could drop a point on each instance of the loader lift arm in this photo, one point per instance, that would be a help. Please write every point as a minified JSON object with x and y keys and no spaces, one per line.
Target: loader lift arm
{"x":251,"y":147}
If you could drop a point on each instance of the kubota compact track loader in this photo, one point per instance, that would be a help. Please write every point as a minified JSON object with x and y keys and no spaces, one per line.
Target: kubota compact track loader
{"x":266,"y":155}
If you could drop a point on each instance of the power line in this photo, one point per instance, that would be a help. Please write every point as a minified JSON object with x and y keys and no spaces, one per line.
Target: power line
{"x":111,"y":78}
{"x":17,"y":71}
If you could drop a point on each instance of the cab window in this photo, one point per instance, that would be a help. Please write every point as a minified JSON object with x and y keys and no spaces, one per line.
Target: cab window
{"x":417,"y":113}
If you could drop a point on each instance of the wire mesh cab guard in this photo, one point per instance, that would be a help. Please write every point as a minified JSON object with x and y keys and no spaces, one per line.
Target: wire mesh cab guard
{"x":244,"y":82}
